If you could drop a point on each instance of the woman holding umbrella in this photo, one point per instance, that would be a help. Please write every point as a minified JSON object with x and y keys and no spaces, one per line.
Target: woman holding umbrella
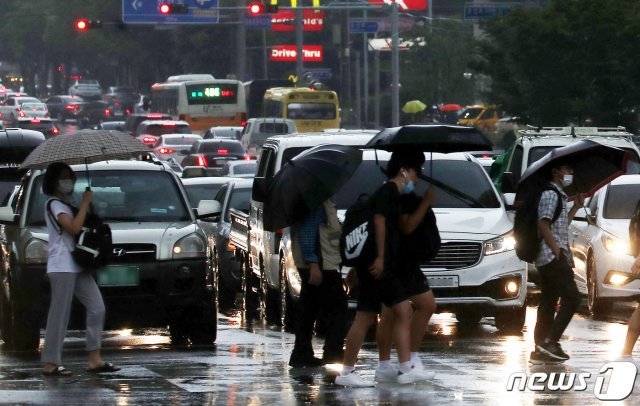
{"x":65,"y":276}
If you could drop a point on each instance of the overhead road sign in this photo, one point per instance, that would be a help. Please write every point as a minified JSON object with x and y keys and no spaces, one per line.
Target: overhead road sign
{"x":404,"y":4}
{"x":148,"y":12}
{"x":259,"y":22}
{"x":363,"y":26}
{"x":384,"y":44}
{"x":318,"y":74}
{"x":476,"y":11}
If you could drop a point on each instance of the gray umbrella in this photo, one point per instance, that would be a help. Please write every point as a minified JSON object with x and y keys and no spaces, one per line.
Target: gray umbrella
{"x":84,"y":146}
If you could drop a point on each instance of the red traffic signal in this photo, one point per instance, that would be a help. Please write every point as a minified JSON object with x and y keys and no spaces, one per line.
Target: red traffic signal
{"x":256,"y":8}
{"x":170,"y":8}
{"x":84,"y":24}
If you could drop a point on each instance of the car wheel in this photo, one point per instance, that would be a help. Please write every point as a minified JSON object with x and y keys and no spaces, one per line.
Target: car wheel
{"x":226,"y":296}
{"x":269,"y":300}
{"x":204,"y":321}
{"x":287,"y":304}
{"x":250,"y":289}
{"x":19,"y":331}
{"x":511,"y":320}
{"x":597,"y":306}
{"x":468,"y":318}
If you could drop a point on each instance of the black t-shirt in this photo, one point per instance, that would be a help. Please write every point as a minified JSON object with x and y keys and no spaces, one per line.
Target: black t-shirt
{"x":409,"y":202}
{"x":386,"y":202}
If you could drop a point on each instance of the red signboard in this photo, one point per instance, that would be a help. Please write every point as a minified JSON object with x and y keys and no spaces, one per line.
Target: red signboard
{"x":287,"y":53}
{"x":285,"y":20}
{"x":404,"y":4}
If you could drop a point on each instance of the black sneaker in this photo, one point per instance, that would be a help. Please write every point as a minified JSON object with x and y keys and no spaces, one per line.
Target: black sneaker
{"x":540,"y":358}
{"x":305,"y":362}
{"x":554,"y":350}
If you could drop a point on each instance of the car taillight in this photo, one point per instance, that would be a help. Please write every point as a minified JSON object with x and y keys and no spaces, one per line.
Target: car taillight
{"x":72,"y":107}
{"x":55,"y":131}
{"x":201,"y":161}
{"x":247,"y":158}
{"x":35,"y":121}
{"x":149,"y":139}
{"x":223,"y":152}
{"x":243,"y":123}
{"x":21,"y":114}
{"x":128,"y":111}
{"x":168,"y":124}
{"x":164,"y":150}
{"x":151,"y":116}
{"x":107,"y":112}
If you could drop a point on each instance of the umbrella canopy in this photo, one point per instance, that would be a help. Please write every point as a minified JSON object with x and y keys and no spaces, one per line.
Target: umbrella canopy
{"x":306,"y":181}
{"x":413,"y":106}
{"x":450,"y":107}
{"x":434,"y":138}
{"x":84,"y":147}
{"x":594,"y":165}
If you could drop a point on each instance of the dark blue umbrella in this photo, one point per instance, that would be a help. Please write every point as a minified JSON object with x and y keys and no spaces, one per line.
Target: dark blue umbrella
{"x":431,"y":137}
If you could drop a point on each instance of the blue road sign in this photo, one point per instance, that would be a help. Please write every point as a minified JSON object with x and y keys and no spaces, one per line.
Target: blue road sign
{"x":147,"y":12}
{"x":362,"y":26}
{"x":259,"y":22}
{"x":318,"y":74}
{"x":482,"y":11}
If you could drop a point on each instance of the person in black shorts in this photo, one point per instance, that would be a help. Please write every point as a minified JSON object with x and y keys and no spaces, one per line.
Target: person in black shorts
{"x":380,"y":283}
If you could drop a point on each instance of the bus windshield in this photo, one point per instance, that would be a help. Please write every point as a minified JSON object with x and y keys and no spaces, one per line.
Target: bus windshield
{"x":311,"y":111}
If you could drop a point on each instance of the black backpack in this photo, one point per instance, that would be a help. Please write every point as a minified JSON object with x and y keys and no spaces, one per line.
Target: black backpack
{"x":94,"y":243}
{"x":525,"y":225}
{"x":424,"y":243}
{"x":357,"y":241}
{"x":634,"y":231}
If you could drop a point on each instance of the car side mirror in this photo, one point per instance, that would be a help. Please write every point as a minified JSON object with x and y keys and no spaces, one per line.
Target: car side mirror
{"x":7,"y":216}
{"x":508,"y":183}
{"x":208,"y":208}
{"x":259,"y":190}
{"x":584,"y":214}
{"x":509,"y":201}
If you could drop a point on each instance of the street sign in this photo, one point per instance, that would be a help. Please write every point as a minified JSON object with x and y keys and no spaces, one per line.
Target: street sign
{"x":318,"y":74}
{"x":404,"y":4}
{"x":477,"y":11}
{"x":362,"y":26}
{"x":288,"y":53}
{"x":259,"y":22}
{"x":147,"y":12}
{"x":285,"y":20}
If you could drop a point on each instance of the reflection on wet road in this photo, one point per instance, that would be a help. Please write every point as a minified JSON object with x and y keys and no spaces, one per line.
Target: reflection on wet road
{"x":248,"y":366}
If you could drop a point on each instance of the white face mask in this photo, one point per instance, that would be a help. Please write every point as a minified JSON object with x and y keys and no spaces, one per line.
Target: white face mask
{"x":567,"y":180}
{"x":65,"y":186}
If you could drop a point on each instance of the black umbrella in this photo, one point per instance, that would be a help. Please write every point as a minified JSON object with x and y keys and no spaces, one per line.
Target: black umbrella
{"x":594,"y":165}
{"x":306,"y":181}
{"x":431,"y":137}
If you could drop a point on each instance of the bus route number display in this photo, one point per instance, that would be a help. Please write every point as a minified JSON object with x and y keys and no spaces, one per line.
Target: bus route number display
{"x":212,"y":93}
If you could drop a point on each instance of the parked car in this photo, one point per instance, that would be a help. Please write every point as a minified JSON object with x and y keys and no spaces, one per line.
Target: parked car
{"x":213,"y":153}
{"x":240,"y":169}
{"x":64,"y":107}
{"x":161,"y":270}
{"x":121,"y":100}
{"x":45,"y":125}
{"x":223,"y":132}
{"x":234,"y":195}
{"x":170,"y":145}
{"x":257,"y":130}
{"x":599,"y":241}
{"x":86,"y":88}
{"x":148,"y":131}
{"x":132,"y":121}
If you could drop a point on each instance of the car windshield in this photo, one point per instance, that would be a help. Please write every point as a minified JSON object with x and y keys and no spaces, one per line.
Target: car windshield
{"x":122,"y":196}
{"x":633,"y":164}
{"x":34,"y":107}
{"x":240,"y":200}
{"x":244,"y":168}
{"x":466,"y":184}
{"x":470,"y":113}
{"x":202,"y":191}
{"x":621,"y":201}
{"x":180,"y":140}
{"x":160,"y":129}
{"x":311,"y":111}
{"x":122,"y":89}
{"x":217,"y":147}
{"x":273,"y":128}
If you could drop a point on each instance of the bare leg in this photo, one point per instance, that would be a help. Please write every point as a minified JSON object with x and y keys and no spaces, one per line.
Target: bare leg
{"x":95,"y":360}
{"x":402,"y":330}
{"x":633,"y":332}
{"x":425,"y":306}
{"x":384,"y":334}
{"x":356,"y":336}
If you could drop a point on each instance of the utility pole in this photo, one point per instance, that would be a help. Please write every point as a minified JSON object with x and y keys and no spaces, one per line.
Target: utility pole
{"x":395,"y":68}
{"x":299,"y":44}
{"x":365,"y":72}
{"x":241,"y":43}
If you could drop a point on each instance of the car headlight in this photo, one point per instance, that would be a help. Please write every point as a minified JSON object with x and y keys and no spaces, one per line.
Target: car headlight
{"x":36,"y":252}
{"x":191,"y":246}
{"x":506,"y":242}
{"x":615,"y":246}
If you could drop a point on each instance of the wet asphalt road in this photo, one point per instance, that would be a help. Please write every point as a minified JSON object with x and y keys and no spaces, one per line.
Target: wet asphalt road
{"x":248,"y":366}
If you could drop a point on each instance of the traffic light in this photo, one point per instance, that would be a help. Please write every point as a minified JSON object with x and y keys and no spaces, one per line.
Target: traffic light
{"x":83,"y":24}
{"x":257,"y":8}
{"x":170,"y":8}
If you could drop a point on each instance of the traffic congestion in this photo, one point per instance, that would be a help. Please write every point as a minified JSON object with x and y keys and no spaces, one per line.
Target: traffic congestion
{"x":193,"y":221}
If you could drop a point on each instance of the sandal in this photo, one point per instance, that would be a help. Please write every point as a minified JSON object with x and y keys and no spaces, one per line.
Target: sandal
{"x":58,"y":371}
{"x":106,"y":367}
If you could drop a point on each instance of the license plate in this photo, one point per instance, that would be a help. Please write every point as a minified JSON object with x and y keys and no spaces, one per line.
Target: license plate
{"x":443,"y":281}
{"x":119,"y":276}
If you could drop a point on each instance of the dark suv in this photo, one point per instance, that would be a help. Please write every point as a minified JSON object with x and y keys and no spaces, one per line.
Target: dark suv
{"x":64,"y":107}
{"x":133,"y":120}
{"x":161,"y":272}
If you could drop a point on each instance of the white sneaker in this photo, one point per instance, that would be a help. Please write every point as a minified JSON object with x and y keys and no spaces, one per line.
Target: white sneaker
{"x":412,"y":376}
{"x":629,"y":358}
{"x":353,"y":379}
{"x":386,"y":375}
{"x":426,"y":375}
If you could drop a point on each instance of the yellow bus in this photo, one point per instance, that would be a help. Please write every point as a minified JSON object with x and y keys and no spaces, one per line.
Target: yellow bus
{"x":201,"y":100}
{"x":310,"y":109}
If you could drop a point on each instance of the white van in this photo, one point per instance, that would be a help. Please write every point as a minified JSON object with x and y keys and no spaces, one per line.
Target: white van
{"x":257,"y":130}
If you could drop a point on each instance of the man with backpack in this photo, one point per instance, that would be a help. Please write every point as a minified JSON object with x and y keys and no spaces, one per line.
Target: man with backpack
{"x":555,"y":262}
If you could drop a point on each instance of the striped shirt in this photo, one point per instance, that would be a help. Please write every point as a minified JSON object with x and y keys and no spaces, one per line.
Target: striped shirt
{"x":559,"y":228}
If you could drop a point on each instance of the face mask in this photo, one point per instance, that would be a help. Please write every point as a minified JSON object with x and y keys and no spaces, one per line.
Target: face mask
{"x":567,"y":180}
{"x":65,"y":186}
{"x":408,"y":187}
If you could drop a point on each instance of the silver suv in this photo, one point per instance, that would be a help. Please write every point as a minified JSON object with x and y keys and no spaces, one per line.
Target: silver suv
{"x":160,"y":274}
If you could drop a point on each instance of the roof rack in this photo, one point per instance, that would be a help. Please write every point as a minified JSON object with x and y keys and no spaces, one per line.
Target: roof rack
{"x":533,"y":131}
